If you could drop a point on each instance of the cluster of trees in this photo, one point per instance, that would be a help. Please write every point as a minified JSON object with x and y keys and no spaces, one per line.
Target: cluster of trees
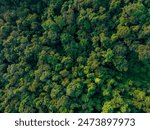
{"x":74,"y":56}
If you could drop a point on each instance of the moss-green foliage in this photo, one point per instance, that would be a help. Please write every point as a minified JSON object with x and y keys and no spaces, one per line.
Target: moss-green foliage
{"x":74,"y":56}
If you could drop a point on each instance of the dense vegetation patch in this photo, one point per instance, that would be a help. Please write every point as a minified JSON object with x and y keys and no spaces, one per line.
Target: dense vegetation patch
{"x":74,"y":56}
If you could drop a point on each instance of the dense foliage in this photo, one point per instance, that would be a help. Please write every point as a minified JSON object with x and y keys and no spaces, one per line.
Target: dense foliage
{"x":74,"y":55}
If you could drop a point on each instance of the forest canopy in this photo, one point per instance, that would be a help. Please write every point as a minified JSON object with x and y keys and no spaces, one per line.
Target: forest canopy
{"x":75,"y":56}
